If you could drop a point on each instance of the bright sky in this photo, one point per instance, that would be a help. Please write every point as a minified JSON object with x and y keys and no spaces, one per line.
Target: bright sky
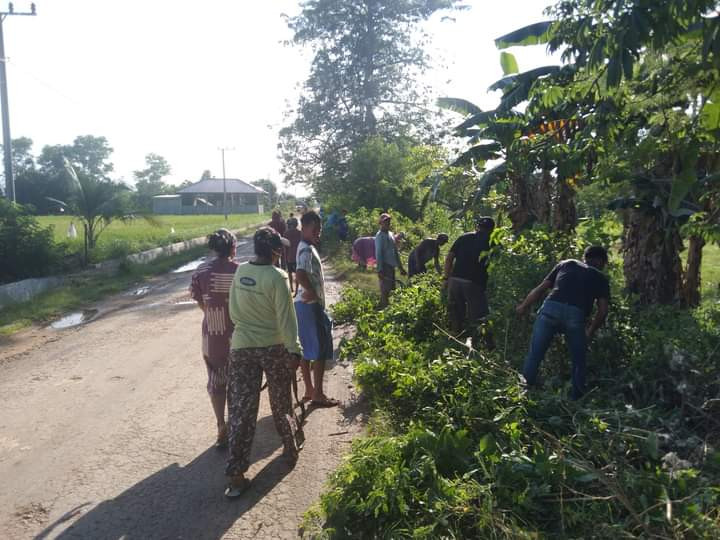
{"x":182,"y":79}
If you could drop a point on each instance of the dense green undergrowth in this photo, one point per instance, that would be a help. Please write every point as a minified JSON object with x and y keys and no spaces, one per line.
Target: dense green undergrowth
{"x":459,"y":448}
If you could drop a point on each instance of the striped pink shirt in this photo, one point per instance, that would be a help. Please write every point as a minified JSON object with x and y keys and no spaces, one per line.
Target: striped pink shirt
{"x":210,"y":285}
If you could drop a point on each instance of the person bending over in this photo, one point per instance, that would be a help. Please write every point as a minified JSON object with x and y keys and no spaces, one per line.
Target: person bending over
{"x":574,"y":287}
{"x":425,"y":251}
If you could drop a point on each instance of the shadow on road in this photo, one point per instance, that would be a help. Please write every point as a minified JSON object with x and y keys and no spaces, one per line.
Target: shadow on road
{"x":179,"y":502}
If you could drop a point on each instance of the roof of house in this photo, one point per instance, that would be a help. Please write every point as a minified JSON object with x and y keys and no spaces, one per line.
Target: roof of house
{"x":166,"y":196}
{"x":215,"y":185}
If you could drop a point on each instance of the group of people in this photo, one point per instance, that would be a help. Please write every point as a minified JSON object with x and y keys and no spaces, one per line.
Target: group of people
{"x":252,"y":326}
{"x":574,"y":289}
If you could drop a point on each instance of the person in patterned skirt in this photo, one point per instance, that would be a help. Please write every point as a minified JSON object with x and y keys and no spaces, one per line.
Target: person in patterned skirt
{"x":210,"y":287}
{"x":265,"y":340}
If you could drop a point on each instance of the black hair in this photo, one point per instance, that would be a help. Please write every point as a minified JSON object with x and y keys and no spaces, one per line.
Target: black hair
{"x":221,"y":242}
{"x":265,"y":241}
{"x":596,"y":253}
{"x":310,"y":218}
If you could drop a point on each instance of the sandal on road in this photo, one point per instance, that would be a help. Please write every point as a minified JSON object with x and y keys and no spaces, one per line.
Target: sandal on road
{"x":235,"y":490}
{"x":325,"y":402}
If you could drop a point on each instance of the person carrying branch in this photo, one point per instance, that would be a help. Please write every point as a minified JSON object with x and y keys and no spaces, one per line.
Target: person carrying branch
{"x":574,"y":287}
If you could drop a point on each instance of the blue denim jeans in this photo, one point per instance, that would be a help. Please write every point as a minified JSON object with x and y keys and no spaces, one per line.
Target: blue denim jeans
{"x":554,"y":318}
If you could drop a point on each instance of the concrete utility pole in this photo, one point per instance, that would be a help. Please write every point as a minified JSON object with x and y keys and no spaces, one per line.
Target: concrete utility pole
{"x":222,"y":151}
{"x":7,"y":142}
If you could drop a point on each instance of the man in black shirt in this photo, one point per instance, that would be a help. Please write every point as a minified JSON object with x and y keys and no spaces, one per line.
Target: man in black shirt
{"x":575,"y":287}
{"x":466,"y":274}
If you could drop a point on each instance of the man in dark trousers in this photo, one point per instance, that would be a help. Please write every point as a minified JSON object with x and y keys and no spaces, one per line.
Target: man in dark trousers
{"x":466,"y":275}
{"x":574,"y":288}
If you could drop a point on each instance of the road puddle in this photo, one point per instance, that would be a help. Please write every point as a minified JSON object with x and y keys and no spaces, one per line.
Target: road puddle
{"x":192,"y":265}
{"x":140,"y":292}
{"x":74,"y":319}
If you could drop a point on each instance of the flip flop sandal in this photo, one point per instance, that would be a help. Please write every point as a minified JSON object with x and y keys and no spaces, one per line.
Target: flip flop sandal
{"x":327,"y":402}
{"x":233,"y":492}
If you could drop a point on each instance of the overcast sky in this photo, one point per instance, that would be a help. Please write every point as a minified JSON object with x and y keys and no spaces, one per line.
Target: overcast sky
{"x":182,"y":78}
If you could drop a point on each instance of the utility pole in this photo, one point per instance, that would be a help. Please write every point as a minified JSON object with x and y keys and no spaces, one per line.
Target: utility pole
{"x":222,"y":151}
{"x":7,"y":142}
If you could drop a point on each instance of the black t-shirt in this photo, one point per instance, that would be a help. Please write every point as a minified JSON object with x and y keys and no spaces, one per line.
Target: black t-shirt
{"x":578,"y":284}
{"x":471,"y":251}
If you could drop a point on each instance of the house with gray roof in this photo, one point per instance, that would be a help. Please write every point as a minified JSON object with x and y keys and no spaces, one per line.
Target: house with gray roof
{"x":206,"y":197}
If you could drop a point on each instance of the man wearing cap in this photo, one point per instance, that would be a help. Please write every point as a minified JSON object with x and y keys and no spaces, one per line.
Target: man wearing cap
{"x":314,"y":326}
{"x":427,"y":249}
{"x":387,"y":257}
{"x":466,"y":276}
{"x":575,"y":287}
{"x":264,"y":340}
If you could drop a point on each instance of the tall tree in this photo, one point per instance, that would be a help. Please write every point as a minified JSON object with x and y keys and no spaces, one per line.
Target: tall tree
{"x":363,"y":81}
{"x":149,"y":181}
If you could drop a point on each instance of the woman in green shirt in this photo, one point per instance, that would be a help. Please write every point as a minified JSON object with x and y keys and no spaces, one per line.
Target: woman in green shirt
{"x":265,"y":340}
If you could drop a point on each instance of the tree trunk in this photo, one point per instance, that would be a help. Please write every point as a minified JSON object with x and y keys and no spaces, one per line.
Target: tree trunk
{"x":565,"y":214}
{"x":520,"y":213}
{"x":85,"y":246}
{"x":691,"y":283}
{"x":652,"y":266}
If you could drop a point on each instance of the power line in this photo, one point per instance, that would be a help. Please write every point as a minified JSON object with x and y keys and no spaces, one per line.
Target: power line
{"x":7,"y":142}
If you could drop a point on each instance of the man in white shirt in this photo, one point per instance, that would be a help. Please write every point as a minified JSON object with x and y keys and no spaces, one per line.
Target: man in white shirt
{"x":313,"y":325}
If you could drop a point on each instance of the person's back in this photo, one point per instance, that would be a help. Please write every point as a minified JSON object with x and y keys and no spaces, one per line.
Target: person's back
{"x":468,"y":251}
{"x":426,"y":250}
{"x":256,"y":306}
{"x":294,"y":236}
{"x":363,"y":250}
{"x":577,"y":284}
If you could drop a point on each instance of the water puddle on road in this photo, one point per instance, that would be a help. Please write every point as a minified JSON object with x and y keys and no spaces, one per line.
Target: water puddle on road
{"x":192,"y":265}
{"x":74,"y":319}
{"x":139,"y":293}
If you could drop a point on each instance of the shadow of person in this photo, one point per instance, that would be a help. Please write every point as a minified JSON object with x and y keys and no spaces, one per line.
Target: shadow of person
{"x":179,"y":502}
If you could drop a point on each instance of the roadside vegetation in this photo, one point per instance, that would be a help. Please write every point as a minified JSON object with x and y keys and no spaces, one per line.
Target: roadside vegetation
{"x":617,"y":146}
{"x":123,"y":238}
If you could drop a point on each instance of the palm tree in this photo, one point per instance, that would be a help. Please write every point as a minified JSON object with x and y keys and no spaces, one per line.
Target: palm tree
{"x":97,"y":201}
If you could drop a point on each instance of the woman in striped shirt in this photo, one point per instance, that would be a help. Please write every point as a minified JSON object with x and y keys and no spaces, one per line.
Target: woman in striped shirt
{"x":210,"y":287}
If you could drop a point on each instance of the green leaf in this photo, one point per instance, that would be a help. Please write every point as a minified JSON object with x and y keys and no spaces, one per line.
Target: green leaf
{"x":651,"y":446}
{"x":487,"y":444}
{"x":710,"y":116}
{"x":533,"y":34}
{"x":458,"y":105}
{"x":684,"y":181}
{"x":509,"y":63}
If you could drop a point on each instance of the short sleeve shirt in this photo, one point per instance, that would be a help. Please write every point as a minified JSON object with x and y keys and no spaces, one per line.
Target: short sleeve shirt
{"x":308,"y":260}
{"x":471,"y":251}
{"x":578,"y":284}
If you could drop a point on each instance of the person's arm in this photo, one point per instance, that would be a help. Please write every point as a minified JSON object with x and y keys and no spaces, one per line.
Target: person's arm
{"x":399,"y":260}
{"x":437,"y":258}
{"x":196,"y":292}
{"x":379,"y":255}
{"x":286,"y":318}
{"x":603,"y":306}
{"x":533,"y":296}
{"x":303,"y":278}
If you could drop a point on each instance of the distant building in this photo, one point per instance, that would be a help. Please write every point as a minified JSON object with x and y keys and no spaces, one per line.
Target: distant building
{"x":206,"y":197}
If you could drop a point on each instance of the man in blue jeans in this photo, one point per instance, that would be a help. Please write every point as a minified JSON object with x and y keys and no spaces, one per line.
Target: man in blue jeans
{"x":575,"y":287}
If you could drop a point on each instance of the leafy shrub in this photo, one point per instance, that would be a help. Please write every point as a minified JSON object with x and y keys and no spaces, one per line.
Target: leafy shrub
{"x":468,"y":452}
{"x":26,"y":249}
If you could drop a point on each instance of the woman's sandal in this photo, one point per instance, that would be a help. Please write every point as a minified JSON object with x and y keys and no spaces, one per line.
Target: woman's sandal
{"x":233,"y":490}
{"x":326,"y":402}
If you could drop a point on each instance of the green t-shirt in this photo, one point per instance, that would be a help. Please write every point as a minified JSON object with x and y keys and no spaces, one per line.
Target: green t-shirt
{"x":261,"y":308}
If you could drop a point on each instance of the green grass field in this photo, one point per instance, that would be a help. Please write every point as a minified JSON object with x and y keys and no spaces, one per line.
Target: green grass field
{"x":121,"y":239}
